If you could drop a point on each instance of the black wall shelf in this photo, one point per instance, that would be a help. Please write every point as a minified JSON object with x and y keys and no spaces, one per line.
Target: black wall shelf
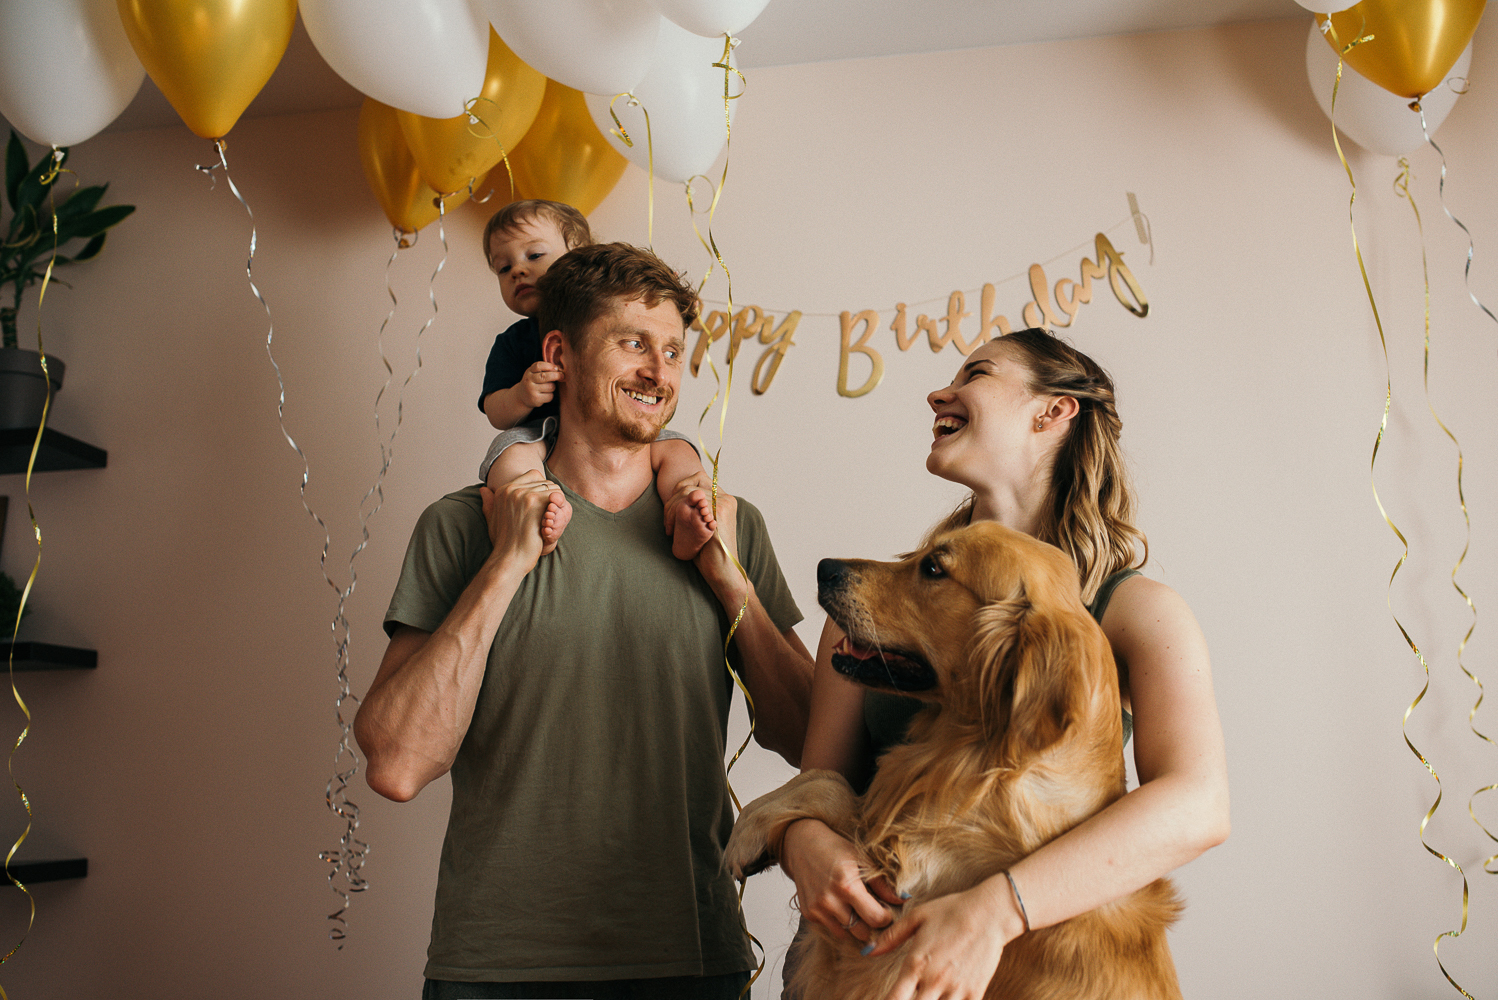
{"x":45,"y":656}
{"x":28,"y":872}
{"x":58,"y":452}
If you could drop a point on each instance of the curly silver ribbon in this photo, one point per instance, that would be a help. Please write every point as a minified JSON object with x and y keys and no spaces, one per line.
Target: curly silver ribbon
{"x":350,"y":856}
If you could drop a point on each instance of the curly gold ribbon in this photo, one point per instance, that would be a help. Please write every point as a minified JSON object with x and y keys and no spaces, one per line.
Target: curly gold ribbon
{"x":711,"y":246}
{"x":47,"y":180}
{"x":623,"y":134}
{"x":1487,"y":864}
{"x":504,"y":155}
{"x":1378,"y":440}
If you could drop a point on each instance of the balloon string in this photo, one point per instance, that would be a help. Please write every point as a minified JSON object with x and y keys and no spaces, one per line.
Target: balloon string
{"x":1487,"y":864}
{"x":223,"y":164}
{"x":1372,"y":465}
{"x":623,"y":134}
{"x":348,"y":859}
{"x":710,"y":244}
{"x":504,"y":155}
{"x":49,"y":181}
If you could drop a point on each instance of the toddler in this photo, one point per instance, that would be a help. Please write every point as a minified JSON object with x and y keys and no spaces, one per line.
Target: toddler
{"x":521,"y":242}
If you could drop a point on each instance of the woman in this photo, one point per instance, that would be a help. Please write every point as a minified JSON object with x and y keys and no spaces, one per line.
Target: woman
{"x":1029,"y":426}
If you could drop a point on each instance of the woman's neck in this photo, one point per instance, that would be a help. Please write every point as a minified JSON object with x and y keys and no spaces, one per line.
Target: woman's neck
{"x":1017,"y":508}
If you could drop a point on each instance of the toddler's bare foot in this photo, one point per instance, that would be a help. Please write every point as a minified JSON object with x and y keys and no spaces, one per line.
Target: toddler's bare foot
{"x":554,"y":521}
{"x":689,"y":522}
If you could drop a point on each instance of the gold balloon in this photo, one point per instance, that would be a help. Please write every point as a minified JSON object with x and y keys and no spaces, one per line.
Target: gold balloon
{"x":1415,"y":42}
{"x":563,"y":156}
{"x":409,"y":202}
{"x":209,"y":57}
{"x":450,"y":152}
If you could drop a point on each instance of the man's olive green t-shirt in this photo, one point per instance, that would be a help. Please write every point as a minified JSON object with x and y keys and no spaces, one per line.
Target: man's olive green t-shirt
{"x":589,"y":804}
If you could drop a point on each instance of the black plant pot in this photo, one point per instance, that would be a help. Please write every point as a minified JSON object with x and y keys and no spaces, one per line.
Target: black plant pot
{"x":23,"y":388}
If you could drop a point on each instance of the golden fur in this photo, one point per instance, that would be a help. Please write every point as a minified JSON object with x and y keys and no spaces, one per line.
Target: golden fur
{"x":1022,"y":742}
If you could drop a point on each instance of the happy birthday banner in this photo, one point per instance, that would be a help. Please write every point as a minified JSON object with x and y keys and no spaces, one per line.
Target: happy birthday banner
{"x":1050,"y":306}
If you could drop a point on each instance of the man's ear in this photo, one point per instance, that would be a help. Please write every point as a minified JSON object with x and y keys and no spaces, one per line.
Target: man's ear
{"x":554,"y":349}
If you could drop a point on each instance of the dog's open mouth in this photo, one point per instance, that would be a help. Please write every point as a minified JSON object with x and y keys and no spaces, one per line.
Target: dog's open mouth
{"x":882,"y":668}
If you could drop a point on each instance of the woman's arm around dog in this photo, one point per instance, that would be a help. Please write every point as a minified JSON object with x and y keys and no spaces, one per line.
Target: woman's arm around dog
{"x":824,"y":865}
{"x":1179,"y":810}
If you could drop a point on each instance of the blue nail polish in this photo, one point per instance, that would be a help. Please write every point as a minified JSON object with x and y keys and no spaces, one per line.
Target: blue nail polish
{"x":867,"y":948}
{"x":904,"y":895}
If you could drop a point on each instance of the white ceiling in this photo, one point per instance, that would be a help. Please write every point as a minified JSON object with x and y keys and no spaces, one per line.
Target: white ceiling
{"x":802,"y":31}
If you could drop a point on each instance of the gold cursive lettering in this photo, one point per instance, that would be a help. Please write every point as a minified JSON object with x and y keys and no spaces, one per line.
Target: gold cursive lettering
{"x":870,"y":319}
{"x":1110,"y":263}
{"x":903,"y":339}
{"x":711,"y":331}
{"x":780,"y":339}
{"x":1048,"y":306}
{"x":1001,"y":323}
{"x":1067,"y":301}
{"x":1038,"y":313}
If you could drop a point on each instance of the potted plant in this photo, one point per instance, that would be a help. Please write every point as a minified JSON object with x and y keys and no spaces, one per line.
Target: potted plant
{"x":28,"y":248}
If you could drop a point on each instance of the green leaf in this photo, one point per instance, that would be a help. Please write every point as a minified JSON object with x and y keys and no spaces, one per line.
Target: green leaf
{"x":89,"y":225}
{"x":16,"y":167}
{"x":89,"y":252}
{"x":32,"y":190}
{"x":81,"y":202}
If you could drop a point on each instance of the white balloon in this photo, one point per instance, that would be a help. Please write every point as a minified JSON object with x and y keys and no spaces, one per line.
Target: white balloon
{"x":66,"y":68}
{"x":596,"y":46}
{"x":423,"y":56}
{"x":683,"y":92}
{"x":1368,"y":114}
{"x":713,"y":18}
{"x":1326,"y":6}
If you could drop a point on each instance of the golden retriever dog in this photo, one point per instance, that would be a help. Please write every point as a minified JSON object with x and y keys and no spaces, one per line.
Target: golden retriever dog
{"x":1022,"y":740}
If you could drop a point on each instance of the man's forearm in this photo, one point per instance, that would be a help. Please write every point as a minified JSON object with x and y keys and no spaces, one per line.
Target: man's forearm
{"x":417,"y":711}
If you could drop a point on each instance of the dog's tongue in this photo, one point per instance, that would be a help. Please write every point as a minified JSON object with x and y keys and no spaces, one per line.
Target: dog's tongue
{"x":846,"y":647}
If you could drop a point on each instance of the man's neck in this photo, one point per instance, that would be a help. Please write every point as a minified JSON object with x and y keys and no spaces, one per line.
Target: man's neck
{"x":611,"y":474}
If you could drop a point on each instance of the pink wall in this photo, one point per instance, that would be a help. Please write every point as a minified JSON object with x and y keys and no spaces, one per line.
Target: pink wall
{"x":190,"y":766}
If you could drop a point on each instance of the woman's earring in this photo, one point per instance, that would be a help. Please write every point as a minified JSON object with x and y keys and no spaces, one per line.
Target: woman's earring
{"x":1040,"y":423}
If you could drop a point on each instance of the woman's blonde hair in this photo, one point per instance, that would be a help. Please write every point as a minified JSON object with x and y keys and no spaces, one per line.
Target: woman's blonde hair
{"x":1089,"y":513}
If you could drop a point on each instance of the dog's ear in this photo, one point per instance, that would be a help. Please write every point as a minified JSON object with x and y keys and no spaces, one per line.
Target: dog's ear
{"x":1028,"y":662}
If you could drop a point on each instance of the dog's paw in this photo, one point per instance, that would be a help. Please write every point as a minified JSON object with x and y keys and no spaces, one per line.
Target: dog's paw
{"x":747,"y":853}
{"x":755,"y":842}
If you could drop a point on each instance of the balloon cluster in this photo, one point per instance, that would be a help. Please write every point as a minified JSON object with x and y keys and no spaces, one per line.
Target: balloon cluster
{"x":1409,"y":60}
{"x":453,"y":87}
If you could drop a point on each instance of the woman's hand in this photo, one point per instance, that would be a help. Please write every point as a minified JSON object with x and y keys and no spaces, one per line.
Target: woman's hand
{"x":956,"y":942}
{"x":829,"y":883}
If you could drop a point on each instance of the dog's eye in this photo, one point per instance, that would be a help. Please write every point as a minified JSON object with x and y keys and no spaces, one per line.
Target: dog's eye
{"x":931,"y":569}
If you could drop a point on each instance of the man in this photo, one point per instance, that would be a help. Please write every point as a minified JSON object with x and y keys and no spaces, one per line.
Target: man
{"x":580,"y":700}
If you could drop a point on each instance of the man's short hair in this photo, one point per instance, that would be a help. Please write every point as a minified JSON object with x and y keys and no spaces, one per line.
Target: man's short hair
{"x":585,"y":283}
{"x":571,"y":223}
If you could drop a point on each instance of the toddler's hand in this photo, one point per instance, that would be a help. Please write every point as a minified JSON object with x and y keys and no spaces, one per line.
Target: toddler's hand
{"x":539,"y":384}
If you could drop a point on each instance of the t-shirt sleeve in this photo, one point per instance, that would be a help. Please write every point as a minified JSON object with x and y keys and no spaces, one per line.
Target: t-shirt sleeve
{"x":448,"y":545}
{"x":513,"y":352}
{"x":758,"y":558}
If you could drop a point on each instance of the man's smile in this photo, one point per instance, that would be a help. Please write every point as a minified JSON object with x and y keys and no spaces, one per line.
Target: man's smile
{"x":645,"y":397}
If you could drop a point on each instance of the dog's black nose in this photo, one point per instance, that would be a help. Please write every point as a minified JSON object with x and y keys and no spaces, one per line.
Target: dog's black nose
{"x":830,"y":572}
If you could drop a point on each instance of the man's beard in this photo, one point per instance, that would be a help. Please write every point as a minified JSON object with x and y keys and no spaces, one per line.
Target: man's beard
{"x":642,"y":430}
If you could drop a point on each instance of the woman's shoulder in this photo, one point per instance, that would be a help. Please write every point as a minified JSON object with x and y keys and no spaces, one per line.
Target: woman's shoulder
{"x":1143,"y":610}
